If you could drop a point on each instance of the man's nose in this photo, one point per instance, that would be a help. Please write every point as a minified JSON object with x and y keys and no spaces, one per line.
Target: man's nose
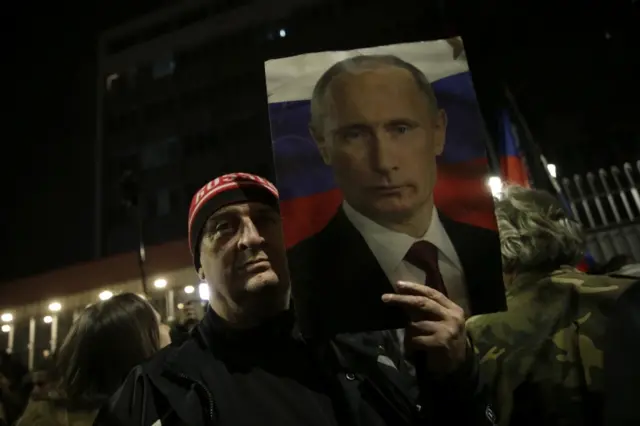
{"x":383,"y":152}
{"x":249,"y":235}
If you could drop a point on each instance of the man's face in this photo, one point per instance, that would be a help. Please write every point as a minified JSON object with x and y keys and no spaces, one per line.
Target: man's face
{"x":41,"y":385}
{"x":242,"y":252}
{"x":381,"y":137}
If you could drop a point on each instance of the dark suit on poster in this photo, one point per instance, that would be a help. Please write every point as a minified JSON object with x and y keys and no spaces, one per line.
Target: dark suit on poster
{"x":622,"y":361}
{"x":338,"y":282}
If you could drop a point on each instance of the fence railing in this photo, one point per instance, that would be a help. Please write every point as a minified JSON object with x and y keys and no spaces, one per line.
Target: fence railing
{"x":607,"y":203}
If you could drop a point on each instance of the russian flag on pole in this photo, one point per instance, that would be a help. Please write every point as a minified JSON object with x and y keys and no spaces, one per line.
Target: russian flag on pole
{"x":309,"y":195}
{"x":512,"y":165}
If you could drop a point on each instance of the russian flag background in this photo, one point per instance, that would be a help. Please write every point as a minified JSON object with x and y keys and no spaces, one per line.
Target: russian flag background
{"x":512,"y":166}
{"x":309,"y":196}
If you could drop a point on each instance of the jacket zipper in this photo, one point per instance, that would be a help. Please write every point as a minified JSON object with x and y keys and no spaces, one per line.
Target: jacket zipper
{"x":212,"y":407}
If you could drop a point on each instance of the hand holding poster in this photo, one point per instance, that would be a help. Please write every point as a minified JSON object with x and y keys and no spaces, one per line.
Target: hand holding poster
{"x":380,"y":151}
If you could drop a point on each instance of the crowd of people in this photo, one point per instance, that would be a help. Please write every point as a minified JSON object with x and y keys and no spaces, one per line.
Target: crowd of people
{"x":542,"y":361}
{"x":411,"y":324}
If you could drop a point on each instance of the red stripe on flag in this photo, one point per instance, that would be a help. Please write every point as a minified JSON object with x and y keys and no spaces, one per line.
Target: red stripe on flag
{"x":305,"y":216}
{"x":463,"y":195}
{"x":514,"y":171}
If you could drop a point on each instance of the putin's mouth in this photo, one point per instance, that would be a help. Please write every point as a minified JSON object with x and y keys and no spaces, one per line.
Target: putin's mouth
{"x":388,"y":189}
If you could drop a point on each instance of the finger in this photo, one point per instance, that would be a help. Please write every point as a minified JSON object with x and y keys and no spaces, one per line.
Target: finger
{"x":424,"y":341}
{"x":423,"y":328}
{"x":419,"y":304}
{"x":406,"y":287}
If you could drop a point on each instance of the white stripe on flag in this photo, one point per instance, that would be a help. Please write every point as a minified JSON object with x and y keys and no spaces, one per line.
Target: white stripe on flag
{"x":293,"y":78}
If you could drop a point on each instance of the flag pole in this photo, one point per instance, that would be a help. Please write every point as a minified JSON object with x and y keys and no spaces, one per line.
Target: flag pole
{"x":533,"y":156}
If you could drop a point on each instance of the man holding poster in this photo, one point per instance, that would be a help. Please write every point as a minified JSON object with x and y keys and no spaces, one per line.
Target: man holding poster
{"x":377,"y":124}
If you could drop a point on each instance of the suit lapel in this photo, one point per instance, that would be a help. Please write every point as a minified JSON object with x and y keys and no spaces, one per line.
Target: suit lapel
{"x":478,"y":251}
{"x":347,"y":280}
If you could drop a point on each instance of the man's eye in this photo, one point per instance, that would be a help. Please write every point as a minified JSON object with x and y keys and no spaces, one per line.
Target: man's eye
{"x":401,"y":129}
{"x":350,"y":134}
{"x":222,"y":227}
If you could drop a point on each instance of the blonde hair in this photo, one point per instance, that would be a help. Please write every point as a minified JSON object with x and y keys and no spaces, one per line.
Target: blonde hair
{"x":535,"y":231}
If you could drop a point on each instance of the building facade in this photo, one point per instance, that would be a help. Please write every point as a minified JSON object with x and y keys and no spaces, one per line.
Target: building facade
{"x":180,"y":100}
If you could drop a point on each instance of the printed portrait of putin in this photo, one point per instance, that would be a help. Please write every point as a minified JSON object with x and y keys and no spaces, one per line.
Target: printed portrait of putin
{"x":377,"y":124}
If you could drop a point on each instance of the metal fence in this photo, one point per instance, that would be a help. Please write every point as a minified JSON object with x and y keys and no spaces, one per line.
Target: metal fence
{"x":607,"y":203}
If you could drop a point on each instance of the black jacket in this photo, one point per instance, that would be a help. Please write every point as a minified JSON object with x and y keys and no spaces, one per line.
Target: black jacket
{"x":271,"y":377}
{"x":338,"y":282}
{"x":622,"y":361}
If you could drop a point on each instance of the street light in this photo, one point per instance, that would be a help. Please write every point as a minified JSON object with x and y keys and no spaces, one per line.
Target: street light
{"x":48,"y":319}
{"x":160,"y":283}
{"x":7,"y":317}
{"x":495,"y":185}
{"x":105,"y":295}
{"x":189,"y":289}
{"x":203,"y":291}
{"x":6,"y":328}
{"x":55,"y":307}
{"x":551,"y":168}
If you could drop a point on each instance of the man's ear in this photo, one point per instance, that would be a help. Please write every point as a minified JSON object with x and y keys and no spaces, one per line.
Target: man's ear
{"x":321,"y":142}
{"x":201,"y":274}
{"x":440,"y":128}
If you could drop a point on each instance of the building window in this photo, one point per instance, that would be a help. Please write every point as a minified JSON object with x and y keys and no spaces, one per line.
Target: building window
{"x":199,"y":144}
{"x":160,"y":154}
{"x":121,"y":164}
{"x":159,"y":109}
{"x":131,"y":76}
{"x":117,"y":215}
{"x":163,"y":67}
{"x":163,"y":202}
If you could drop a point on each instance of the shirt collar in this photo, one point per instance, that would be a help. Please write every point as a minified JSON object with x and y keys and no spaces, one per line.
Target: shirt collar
{"x":390,"y":247}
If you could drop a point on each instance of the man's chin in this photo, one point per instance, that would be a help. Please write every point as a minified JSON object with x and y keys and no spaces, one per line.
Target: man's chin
{"x":392,"y":209}
{"x":262,"y":280}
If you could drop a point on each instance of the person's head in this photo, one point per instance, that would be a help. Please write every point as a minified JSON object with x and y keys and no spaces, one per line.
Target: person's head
{"x":536,"y":234}
{"x":105,"y":342}
{"x":11,"y":368}
{"x":236,"y":240}
{"x":41,"y":381}
{"x":377,"y":123}
{"x":614,"y":264}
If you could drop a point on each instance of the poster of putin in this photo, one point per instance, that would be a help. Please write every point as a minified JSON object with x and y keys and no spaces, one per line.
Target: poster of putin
{"x":381,"y":165}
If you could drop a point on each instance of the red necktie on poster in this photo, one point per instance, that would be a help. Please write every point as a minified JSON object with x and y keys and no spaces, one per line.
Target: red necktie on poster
{"x":424,"y":256}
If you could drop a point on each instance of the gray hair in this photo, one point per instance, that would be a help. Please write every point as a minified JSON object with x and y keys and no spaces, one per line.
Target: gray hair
{"x":535,"y":232}
{"x":361,"y":63}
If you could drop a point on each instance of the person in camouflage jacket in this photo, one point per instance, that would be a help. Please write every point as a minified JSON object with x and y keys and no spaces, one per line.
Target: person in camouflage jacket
{"x":544,"y":356}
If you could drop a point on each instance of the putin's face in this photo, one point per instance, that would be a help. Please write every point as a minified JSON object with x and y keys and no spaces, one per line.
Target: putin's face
{"x":381,"y":137}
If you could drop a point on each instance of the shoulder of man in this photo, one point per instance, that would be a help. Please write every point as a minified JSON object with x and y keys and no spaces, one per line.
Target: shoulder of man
{"x":137,"y":402}
{"x":595,"y":294}
{"x":133,"y":404}
{"x":621,"y":368}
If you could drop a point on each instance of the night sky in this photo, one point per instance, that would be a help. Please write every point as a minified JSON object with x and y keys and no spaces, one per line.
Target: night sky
{"x":583,"y":116}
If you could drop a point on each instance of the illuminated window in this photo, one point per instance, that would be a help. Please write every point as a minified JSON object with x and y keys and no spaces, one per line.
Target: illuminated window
{"x":163,"y":67}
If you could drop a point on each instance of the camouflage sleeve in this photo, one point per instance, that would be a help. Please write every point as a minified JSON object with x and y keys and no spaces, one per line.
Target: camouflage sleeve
{"x":597,"y":298}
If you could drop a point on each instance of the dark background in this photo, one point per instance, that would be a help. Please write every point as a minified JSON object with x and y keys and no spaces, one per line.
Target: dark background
{"x":571,"y":70}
